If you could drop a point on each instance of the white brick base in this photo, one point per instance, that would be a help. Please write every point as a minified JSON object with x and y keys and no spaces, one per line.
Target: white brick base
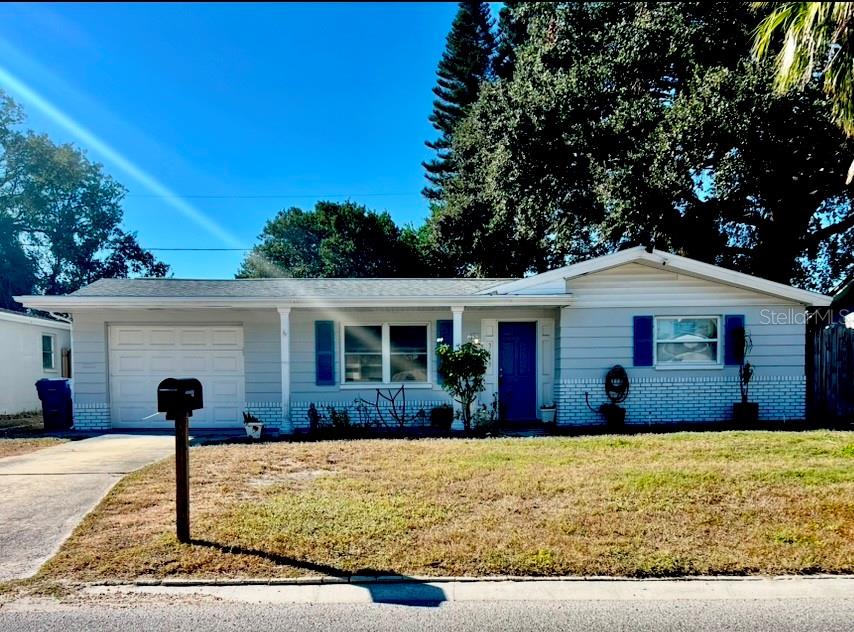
{"x":299,"y":411}
{"x":683,"y":399}
{"x":269,"y":413}
{"x":92,"y":417}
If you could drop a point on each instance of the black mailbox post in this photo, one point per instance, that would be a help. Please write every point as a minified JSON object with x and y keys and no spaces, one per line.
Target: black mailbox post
{"x":178,"y":398}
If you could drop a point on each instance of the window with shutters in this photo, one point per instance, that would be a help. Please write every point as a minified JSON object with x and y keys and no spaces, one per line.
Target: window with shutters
{"x":386,"y":353}
{"x":687,"y":341}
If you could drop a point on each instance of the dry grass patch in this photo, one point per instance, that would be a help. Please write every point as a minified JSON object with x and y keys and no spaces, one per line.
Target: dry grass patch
{"x":647,"y":505}
{"x":19,"y":434}
{"x":14,"y":447}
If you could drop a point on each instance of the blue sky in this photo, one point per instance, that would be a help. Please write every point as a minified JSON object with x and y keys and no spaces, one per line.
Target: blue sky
{"x":228,"y":113}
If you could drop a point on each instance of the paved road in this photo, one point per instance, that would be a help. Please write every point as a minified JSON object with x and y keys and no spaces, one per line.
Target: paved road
{"x":45,"y":494}
{"x":779,"y":605}
{"x":803,"y":615}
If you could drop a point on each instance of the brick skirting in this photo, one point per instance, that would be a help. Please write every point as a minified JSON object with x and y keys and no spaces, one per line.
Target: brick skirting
{"x":683,"y":399}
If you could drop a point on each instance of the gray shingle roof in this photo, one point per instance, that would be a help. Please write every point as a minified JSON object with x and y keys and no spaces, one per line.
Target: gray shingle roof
{"x":285,"y":288}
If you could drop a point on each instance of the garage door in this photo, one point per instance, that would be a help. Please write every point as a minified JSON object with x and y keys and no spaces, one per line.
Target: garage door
{"x":141,"y":356}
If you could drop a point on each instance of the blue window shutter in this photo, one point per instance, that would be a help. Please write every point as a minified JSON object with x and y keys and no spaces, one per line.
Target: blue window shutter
{"x":445,"y":331}
{"x":324,"y":352}
{"x":643,"y":340}
{"x":733,"y":339}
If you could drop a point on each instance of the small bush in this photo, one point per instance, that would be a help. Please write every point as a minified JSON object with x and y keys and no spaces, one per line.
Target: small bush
{"x":442,"y":417}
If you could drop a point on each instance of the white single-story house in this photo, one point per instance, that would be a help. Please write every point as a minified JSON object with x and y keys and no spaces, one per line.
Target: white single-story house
{"x":31,"y":348}
{"x":273,"y":347}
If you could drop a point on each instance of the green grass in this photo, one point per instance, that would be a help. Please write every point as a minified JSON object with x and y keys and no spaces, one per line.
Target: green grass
{"x":645,"y":505}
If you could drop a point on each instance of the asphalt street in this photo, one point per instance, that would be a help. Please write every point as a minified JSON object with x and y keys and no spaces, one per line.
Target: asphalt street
{"x":803,"y":615}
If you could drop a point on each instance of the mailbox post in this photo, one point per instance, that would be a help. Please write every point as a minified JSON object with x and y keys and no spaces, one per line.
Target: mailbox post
{"x":178,"y":398}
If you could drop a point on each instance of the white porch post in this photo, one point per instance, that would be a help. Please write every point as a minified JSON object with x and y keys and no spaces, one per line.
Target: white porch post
{"x":285,"y":340}
{"x":457,"y":311}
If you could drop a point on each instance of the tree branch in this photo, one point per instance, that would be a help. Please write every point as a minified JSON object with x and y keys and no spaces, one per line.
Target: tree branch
{"x":828,"y":231}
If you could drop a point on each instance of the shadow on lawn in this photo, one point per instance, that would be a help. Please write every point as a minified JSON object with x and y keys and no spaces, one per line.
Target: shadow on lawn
{"x":394,"y":589}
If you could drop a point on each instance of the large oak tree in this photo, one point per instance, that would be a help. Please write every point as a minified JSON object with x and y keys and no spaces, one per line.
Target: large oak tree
{"x":60,"y":217}
{"x":651,"y":123}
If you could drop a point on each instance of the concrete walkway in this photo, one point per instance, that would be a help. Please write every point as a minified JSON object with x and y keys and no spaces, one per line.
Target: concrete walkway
{"x":45,"y":494}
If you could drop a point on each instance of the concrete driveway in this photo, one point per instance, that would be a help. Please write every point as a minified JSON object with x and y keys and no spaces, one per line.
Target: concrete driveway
{"x":45,"y":494}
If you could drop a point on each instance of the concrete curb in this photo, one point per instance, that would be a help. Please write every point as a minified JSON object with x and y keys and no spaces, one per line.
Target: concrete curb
{"x":434,"y":591}
{"x":428,"y":579}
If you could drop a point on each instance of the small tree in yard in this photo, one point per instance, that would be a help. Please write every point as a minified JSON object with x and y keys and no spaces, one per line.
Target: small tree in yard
{"x":462,"y":371}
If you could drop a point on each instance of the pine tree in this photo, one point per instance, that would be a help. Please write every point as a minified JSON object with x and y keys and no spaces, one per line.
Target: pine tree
{"x":512,"y":32}
{"x":465,"y":64}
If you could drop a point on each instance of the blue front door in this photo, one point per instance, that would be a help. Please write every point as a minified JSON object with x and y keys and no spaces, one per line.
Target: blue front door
{"x":517,"y":371}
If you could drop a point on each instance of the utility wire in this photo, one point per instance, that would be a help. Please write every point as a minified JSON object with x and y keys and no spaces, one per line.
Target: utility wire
{"x":267,"y":196}
{"x":197,"y":249}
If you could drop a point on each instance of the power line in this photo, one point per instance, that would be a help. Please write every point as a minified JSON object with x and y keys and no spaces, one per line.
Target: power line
{"x":270,"y":196}
{"x":197,"y":249}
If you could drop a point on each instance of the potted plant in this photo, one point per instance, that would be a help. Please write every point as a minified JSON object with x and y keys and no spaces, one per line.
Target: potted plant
{"x":745,"y":411}
{"x":254,"y":426}
{"x":442,"y":417}
{"x":548,"y":413}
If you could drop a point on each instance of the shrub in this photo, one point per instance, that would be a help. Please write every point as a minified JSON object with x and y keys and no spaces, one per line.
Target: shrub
{"x":442,"y":417}
{"x":463,"y":370}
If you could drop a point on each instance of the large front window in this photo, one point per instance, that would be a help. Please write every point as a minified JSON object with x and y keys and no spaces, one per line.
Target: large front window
{"x":363,"y":353}
{"x":385,"y":353}
{"x":688,"y":340}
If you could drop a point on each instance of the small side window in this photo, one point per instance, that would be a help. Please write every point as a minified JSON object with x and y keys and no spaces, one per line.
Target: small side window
{"x":48,"y":356}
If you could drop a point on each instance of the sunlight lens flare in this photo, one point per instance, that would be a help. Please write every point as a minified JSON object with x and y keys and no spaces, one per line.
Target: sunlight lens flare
{"x":89,"y":139}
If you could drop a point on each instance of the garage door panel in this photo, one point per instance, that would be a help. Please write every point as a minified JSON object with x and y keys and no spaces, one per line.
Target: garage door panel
{"x":193,"y":338}
{"x":140,"y":357}
{"x":138,"y":414}
{"x":193,"y":364}
{"x":129,"y":389}
{"x":162,"y":337}
{"x":125,"y":337}
{"x":226,"y":338}
{"x":162,"y":363}
{"x":131,"y":362}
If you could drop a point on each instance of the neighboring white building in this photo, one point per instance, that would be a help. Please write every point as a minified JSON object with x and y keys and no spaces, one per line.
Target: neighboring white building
{"x":31,"y":348}
{"x":274,"y":346}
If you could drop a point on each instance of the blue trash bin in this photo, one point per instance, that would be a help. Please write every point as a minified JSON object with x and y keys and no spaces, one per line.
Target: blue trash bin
{"x":55,"y":396}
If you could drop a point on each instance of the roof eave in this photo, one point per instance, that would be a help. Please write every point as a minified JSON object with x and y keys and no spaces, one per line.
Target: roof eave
{"x":35,"y":321}
{"x":69,"y":303}
{"x":666,"y":260}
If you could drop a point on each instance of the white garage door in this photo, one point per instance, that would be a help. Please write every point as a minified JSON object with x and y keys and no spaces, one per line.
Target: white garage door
{"x":141,"y":356}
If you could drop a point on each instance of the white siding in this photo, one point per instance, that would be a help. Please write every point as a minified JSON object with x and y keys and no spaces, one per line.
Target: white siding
{"x":596,"y":331}
{"x":635,"y":284}
{"x":593,"y":340}
{"x":21,"y":366}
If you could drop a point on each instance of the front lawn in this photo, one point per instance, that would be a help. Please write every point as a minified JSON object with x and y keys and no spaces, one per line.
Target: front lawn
{"x":14,"y":447}
{"x":645,"y":505}
{"x":19,"y":434}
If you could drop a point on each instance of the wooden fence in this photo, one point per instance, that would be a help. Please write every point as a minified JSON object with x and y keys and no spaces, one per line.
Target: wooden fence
{"x":830,"y":373}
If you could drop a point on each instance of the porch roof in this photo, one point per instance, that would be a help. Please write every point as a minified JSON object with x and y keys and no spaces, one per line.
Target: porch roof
{"x":286,"y":287}
{"x":286,"y":292}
